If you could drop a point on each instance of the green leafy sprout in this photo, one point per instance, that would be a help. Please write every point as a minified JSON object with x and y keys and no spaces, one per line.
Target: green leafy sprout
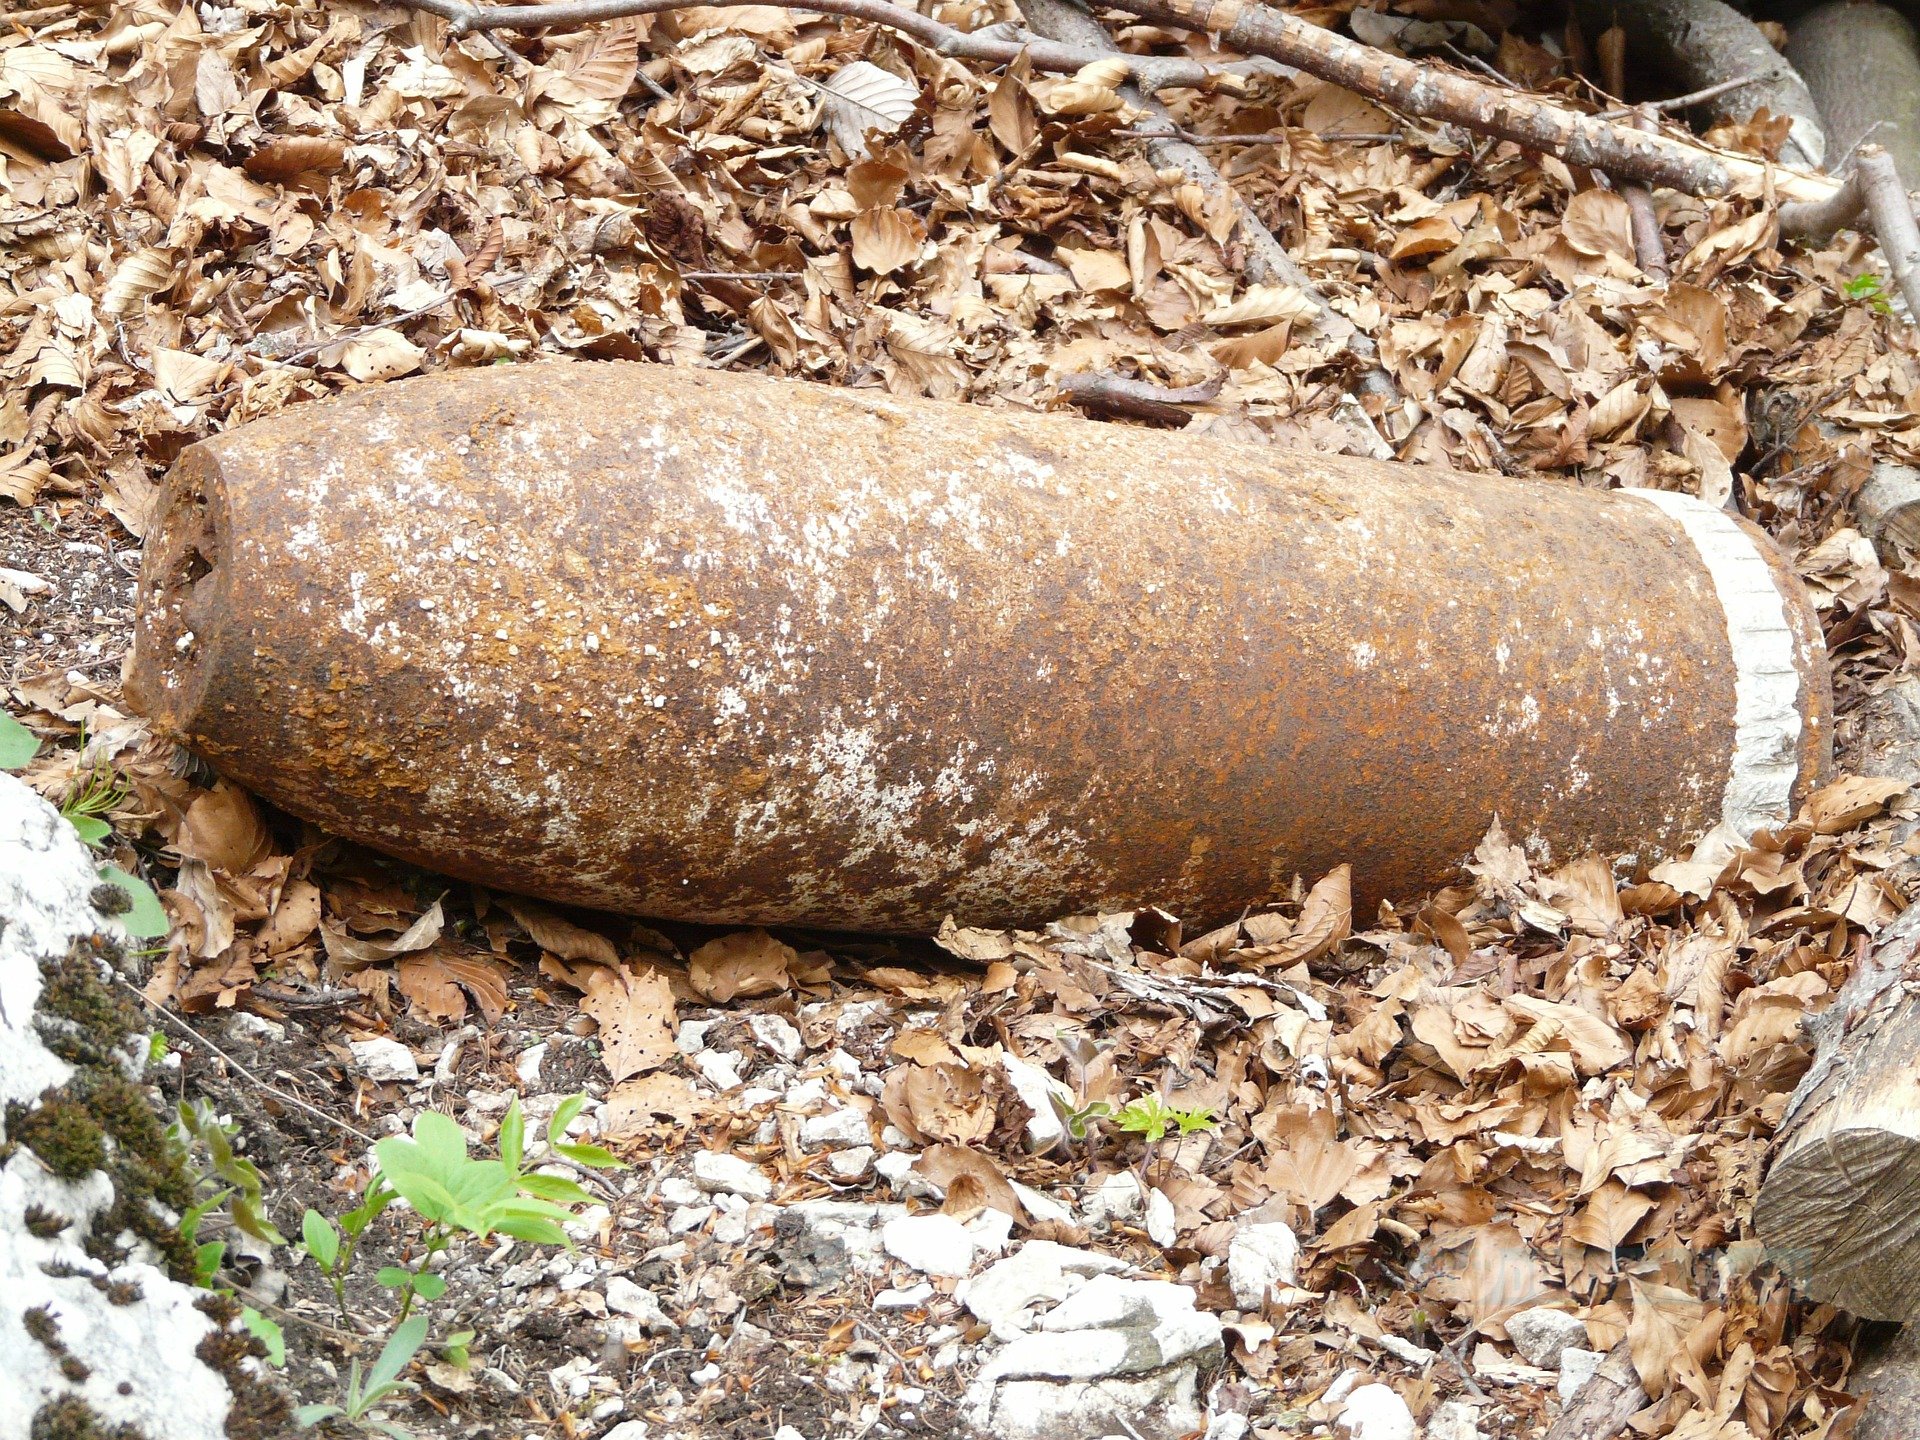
{"x":1150,"y":1116}
{"x":1871,"y":289}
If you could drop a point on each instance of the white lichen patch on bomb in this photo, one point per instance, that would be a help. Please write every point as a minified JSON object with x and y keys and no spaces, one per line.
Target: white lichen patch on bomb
{"x":141,"y":1367}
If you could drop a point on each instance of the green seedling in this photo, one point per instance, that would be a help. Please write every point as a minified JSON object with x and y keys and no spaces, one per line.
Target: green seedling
{"x":1871,"y":289}
{"x":381,"y":1382}
{"x":17,"y":743}
{"x":1151,"y":1117}
{"x":233,"y":1179}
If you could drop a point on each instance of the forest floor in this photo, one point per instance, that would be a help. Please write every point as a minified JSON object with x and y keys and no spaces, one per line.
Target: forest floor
{"x":1537,"y":1088}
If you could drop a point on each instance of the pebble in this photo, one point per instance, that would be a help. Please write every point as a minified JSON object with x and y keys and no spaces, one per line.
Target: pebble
{"x":527,"y":1065}
{"x":720,"y":1174}
{"x":777,"y":1036}
{"x":1161,"y":1226}
{"x":1042,"y":1207}
{"x":1036,"y":1089}
{"x":1376,"y":1412}
{"x":688,"y":1217}
{"x":1001,"y":1296}
{"x":719,"y":1068}
{"x":1542,"y":1334}
{"x":787,"y":1432}
{"x":1117,"y":1197}
{"x":836,"y":1130}
{"x":909,"y":1299}
{"x":851,"y":1164}
{"x":637,"y":1303}
{"x":990,"y":1230}
{"x":806,"y":1095}
{"x":705,"y":1375}
{"x":1577,"y":1365}
{"x":930,"y":1244}
{"x":676,"y":1190}
{"x":691,"y":1037}
{"x":385,"y":1059}
{"x":1454,"y":1420}
{"x":1259,"y":1257}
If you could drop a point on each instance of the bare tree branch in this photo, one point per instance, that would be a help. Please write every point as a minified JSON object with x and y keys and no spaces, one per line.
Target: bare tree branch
{"x":1891,"y":210}
{"x":1431,"y":92}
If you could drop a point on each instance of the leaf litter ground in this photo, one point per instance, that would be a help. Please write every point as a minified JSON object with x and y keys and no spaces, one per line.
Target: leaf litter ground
{"x":1539,"y":1086}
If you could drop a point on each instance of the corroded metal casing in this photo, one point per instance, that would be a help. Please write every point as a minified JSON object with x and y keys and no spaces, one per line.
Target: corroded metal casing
{"x":723,"y":648}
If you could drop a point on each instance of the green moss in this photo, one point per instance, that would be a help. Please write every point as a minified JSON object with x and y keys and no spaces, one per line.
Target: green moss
{"x":71,"y":1418}
{"x":43,"y":1224}
{"x":61,"y":1133}
{"x":41,"y":1325}
{"x":258,"y":1412}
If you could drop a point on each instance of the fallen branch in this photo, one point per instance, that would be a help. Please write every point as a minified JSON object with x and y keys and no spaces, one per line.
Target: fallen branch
{"x":1862,"y":63}
{"x":1649,"y":245}
{"x":1891,"y":211}
{"x":1103,"y":393}
{"x":1430,"y":92}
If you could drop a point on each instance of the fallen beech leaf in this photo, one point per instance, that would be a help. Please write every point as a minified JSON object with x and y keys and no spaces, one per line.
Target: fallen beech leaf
{"x":633,"y":1105}
{"x":740,"y":966}
{"x":348,"y":952}
{"x":1843,"y":804}
{"x":949,"y":1165}
{"x":636,"y":1017}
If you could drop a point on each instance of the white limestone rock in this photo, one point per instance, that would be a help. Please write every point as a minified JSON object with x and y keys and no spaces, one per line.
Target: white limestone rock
{"x":718,"y":1173}
{"x":930,"y":1244}
{"x":1260,"y":1257}
{"x":1543,"y":1334}
{"x":1376,"y":1412}
{"x":141,"y":1369}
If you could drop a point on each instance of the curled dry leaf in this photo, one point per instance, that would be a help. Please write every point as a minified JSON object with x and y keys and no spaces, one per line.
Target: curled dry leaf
{"x":1598,"y":222}
{"x":347,"y":952}
{"x":973,"y":1181}
{"x":560,"y":936}
{"x":286,"y":156}
{"x":741,"y":966}
{"x":436,"y":985}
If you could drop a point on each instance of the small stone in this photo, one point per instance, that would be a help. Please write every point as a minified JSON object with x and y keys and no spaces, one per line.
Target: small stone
{"x":245,"y":1026}
{"x":719,"y":1068}
{"x":1376,"y":1412}
{"x":1118,"y":1197}
{"x":691,"y":1037}
{"x":637,"y":1303}
{"x":1542,"y":1334}
{"x":527,"y":1065}
{"x":776,"y":1035}
{"x":688,"y":1218}
{"x":804,"y":1096}
{"x":836,"y":1130}
{"x":931,"y":1244}
{"x":990,"y":1230}
{"x":787,"y":1432}
{"x":1036,"y":1089}
{"x":1454,"y":1420}
{"x":384,"y":1059}
{"x":1417,"y":1355}
{"x":1259,"y":1257}
{"x":754,"y":1096}
{"x":1042,"y":1207}
{"x":1051,"y":1410}
{"x":909,"y":1299}
{"x":851,"y":1165}
{"x":1161,"y":1228}
{"x":1577,"y":1366}
{"x":721,"y":1174}
{"x":628,"y":1430}
{"x":705,"y":1375}
{"x":676,"y":1190}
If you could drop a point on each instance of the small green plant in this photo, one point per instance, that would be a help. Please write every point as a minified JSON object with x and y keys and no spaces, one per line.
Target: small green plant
{"x":1081,"y":1121}
{"x":1151,"y":1117}
{"x":1871,"y":289}
{"x":365,"y":1393}
{"x":456,"y":1194}
{"x":233,"y":1179}
{"x":17,"y":743}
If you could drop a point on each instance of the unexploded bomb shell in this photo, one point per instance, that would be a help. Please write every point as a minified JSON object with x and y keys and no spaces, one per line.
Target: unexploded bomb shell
{"x":723,"y":648}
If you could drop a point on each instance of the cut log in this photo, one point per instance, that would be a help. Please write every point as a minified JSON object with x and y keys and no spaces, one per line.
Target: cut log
{"x":1604,"y":1405}
{"x":1886,"y":1376}
{"x":1889,"y":508}
{"x":1861,"y":61}
{"x":1840,"y":1209}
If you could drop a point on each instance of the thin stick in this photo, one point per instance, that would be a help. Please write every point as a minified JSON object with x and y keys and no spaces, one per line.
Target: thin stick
{"x":1194,"y":137}
{"x":194,"y":1035}
{"x":1891,"y":210}
{"x":1682,"y":102}
{"x":1649,"y":246}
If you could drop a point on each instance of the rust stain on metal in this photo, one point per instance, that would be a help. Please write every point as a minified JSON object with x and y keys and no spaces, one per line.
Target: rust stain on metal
{"x":721,"y":648}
